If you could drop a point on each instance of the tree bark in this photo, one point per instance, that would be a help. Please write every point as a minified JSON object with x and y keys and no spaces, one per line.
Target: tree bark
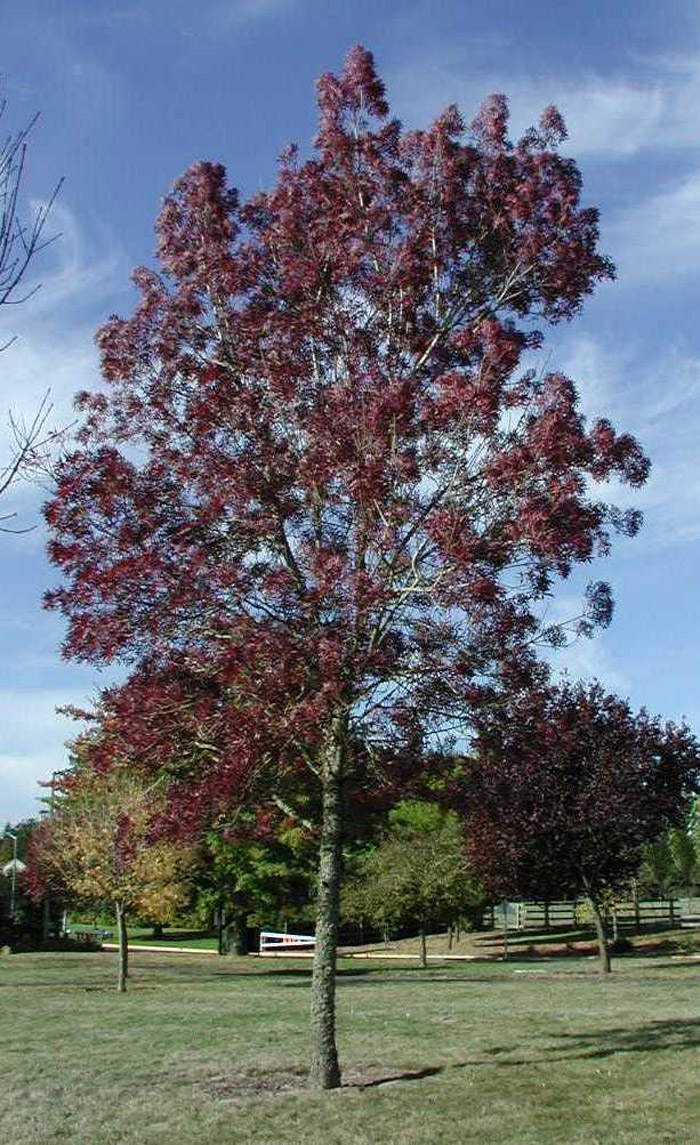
{"x":423,"y":951}
{"x":603,"y":950}
{"x":325,"y":1071}
{"x":157,"y":930}
{"x":123,"y":970}
{"x":223,"y":946}
{"x":46,"y":921}
{"x":450,"y":934}
{"x":238,"y":933}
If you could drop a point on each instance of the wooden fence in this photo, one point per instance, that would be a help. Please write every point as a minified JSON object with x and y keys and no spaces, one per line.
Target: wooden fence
{"x":630,"y":915}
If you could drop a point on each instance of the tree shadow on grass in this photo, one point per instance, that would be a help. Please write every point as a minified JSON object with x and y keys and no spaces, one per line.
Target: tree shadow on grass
{"x":286,"y":1080}
{"x":659,"y":1034}
{"x":353,"y":1081}
{"x":654,"y":1036}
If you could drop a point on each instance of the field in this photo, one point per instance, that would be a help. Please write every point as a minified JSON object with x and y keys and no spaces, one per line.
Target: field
{"x":207,"y":1050}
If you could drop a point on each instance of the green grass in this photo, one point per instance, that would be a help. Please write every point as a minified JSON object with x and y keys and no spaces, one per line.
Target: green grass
{"x":193,"y":940}
{"x":143,"y":936}
{"x":202,"y":1050}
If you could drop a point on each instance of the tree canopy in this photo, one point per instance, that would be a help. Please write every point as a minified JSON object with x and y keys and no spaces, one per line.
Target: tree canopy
{"x":320,"y":497}
{"x":418,"y":873}
{"x":565,"y":788}
{"x":100,"y":847}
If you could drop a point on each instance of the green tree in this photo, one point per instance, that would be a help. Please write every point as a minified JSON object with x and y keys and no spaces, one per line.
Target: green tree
{"x":685,"y":859}
{"x":249,"y":882}
{"x":417,"y":874}
{"x":670,"y":864}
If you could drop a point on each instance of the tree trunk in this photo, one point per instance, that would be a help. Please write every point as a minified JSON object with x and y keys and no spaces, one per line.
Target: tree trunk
{"x":223,"y":946}
{"x":123,"y":971}
{"x":450,"y":934}
{"x":459,"y":926}
{"x":238,"y":933}
{"x":603,"y":951}
{"x":325,"y":1071}
{"x":546,"y":914}
{"x":637,"y":916}
{"x":46,"y":922}
{"x":423,"y":951}
{"x":157,"y":930}
{"x":616,"y":925}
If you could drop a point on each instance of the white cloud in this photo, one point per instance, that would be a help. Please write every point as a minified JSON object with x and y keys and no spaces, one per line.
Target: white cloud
{"x":31,"y":745}
{"x":650,"y":106}
{"x":236,"y":14}
{"x":83,"y":279}
{"x":584,"y":658}
{"x":658,"y":239}
{"x":658,"y":400}
{"x":54,"y":351}
{"x":589,"y":659}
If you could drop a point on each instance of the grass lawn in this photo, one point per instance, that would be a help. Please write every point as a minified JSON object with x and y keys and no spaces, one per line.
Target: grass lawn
{"x":201,"y":1050}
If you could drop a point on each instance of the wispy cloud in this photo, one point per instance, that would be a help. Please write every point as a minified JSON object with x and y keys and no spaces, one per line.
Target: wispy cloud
{"x":82,"y":280}
{"x":584,"y":658}
{"x":650,"y":105}
{"x":657,"y":399}
{"x":658,"y":238}
{"x":235,"y":14}
{"x":33,"y":735}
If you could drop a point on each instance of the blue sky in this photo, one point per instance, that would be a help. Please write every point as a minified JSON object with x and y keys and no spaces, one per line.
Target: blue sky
{"x":131,"y":94}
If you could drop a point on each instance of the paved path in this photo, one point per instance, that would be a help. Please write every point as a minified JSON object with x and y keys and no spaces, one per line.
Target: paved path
{"x":365,"y":954}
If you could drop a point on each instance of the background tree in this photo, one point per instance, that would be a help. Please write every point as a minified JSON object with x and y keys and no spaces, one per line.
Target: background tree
{"x":669,"y":864}
{"x":685,"y":859}
{"x":253,"y":880}
{"x":658,"y":875}
{"x":23,"y":921}
{"x":417,"y":875}
{"x":565,"y":788}
{"x":319,"y":501}
{"x":20,"y":242}
{"x":99,"y":848}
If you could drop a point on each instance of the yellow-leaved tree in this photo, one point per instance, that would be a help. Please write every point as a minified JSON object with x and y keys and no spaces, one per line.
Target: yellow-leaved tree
{"x":101,"y":847}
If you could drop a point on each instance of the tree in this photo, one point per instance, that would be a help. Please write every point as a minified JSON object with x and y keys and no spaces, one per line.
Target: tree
{"x":565,"y":788}
{"x":250,"y":881}
{"x":20,"y":242}
{"x":417,"y":874}
{"x":100,"y":848}
{"x":685,"y":859}
{"x":15,"y":910}
{"x":318,"y":503}
{"x":658,"y":873}
{"x":669,"y":864}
